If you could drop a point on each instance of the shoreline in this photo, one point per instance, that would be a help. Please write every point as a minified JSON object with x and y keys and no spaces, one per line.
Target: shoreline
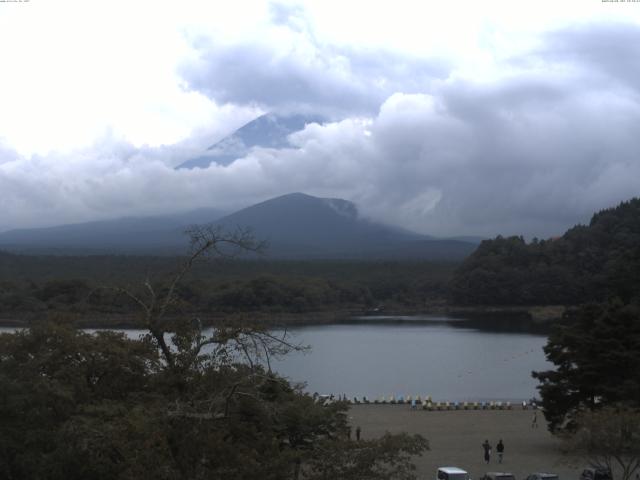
{"x":535,"y":317}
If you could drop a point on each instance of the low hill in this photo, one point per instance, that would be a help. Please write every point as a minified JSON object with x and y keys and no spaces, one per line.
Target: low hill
{"x":302,"y":226}
{"x":123,"y":235}
{"x":588,"y":263}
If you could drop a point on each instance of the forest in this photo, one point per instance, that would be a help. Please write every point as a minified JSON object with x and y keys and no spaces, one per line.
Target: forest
{"x":588,"y":263}
{"x":89,"y":285}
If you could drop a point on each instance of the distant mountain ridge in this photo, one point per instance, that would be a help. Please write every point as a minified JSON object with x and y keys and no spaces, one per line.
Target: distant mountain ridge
{"x":301,"y":225}
{"x":296,"y":226}
{"x":128,"y":234}
{"x":266,"y":131}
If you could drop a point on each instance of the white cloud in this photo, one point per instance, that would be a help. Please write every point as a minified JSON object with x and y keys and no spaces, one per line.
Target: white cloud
{"x":75,"y":71}
{"x":454,"y":118}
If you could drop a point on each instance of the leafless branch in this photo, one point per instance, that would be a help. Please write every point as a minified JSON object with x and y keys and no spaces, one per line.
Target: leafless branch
{"x":204,"y":241}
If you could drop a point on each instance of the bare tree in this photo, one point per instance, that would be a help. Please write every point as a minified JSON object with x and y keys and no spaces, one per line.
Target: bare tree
{"x":609,"y":438}
{"x":187,"y":338}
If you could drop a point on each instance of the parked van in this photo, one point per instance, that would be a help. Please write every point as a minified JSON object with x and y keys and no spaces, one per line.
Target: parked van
{"x":452,"y":473}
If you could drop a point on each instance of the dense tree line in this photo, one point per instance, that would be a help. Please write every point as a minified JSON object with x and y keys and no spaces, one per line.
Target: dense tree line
{"x":227,"y":286}
{"x":262,"y":293}
{"x":592,"y":262}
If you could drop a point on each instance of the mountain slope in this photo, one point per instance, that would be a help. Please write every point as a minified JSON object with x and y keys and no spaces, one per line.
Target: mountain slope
{"x":123,"y":235}
{"x":302,"y":226}
{"x":267,"y":131}
{"x":296,"y":226}
{"x":315,"y":222}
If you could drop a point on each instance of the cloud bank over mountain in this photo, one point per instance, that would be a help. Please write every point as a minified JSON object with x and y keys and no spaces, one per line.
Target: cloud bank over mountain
{"x":531,"y":141}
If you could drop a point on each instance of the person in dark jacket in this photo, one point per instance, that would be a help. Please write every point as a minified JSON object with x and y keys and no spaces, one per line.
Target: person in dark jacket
{"x":487,"y":451}
{"x":500,"y":450}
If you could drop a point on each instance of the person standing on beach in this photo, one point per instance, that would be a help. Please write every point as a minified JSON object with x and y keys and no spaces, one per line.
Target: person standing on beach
{"x":534,"y":421}
{"x":487,"y":451}
{"x":500,"y":450}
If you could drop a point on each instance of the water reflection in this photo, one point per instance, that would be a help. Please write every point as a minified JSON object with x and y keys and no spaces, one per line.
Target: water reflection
{"x":489,"y":322}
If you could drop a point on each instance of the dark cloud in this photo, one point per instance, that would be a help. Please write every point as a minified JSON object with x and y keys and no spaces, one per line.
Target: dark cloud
{"x":306,"y":76}
{"x":299,"y":73}
{"x":606,"y":54}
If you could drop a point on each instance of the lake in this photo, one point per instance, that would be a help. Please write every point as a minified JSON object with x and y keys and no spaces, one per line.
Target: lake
{"x":445,"y":358}
{"x":449,"y":359}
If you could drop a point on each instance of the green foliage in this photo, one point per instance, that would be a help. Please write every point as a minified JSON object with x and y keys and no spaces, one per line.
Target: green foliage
{"x":597,"y":363}
{"x":54,"y":379}
{"x":101,"y":406}
{"x":588,"y":263}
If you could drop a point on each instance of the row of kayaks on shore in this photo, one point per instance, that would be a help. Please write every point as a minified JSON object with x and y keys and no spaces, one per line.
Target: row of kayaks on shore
{"x":426,"y":403}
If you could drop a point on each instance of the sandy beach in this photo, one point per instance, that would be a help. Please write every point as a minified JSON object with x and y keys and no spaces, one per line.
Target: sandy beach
{"x":455,"y":439}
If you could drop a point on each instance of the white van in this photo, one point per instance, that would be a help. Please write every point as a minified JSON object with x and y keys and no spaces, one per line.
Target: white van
{"x":452,"y":473}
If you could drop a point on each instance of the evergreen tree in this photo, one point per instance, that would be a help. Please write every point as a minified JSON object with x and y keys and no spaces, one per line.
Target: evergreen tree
{"x":597,"y":363}
{"x":587,"y":263}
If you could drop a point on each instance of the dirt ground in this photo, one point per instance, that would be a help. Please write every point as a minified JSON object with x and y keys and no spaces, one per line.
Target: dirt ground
{"x":456,"y":438}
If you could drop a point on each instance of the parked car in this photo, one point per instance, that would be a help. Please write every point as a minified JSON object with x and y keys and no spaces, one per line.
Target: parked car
{"x":498,"y":476}
{"x":452,"y":473}
{"x":594,"y":473}
{"x":543,"y":476}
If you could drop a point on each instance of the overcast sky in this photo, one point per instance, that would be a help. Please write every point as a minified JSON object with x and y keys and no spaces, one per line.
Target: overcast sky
{"x":449,"y":118}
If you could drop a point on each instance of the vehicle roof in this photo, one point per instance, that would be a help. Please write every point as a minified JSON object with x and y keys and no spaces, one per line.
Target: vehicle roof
{"x":452,"y":470}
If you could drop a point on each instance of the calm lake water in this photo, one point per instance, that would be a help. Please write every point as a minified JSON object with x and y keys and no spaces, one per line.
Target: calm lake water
{"x":448,"y":359}
{"x":445,"y":359}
